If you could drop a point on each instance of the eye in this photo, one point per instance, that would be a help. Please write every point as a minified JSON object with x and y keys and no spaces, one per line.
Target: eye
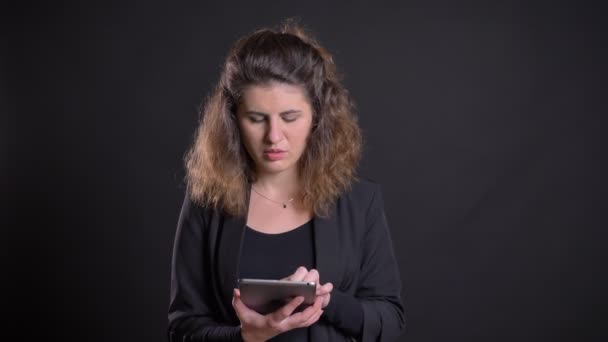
{"x":256,"y":118}
{"x":290,"y":117}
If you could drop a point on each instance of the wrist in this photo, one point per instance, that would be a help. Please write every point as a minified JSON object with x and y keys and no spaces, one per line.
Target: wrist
{"x":245,"y":337}
{"x":248,"y":337}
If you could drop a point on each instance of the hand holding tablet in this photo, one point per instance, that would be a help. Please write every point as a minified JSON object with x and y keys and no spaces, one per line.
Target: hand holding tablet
{"x":268,"y":307}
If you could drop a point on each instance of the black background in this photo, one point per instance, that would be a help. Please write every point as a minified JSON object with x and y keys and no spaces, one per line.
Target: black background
{"x":482,"y":122}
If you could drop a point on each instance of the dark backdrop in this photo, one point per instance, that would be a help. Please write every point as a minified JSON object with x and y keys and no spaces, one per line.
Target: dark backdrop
{"x":482,"y":122}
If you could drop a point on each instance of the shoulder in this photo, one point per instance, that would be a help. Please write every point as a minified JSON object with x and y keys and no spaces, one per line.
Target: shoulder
{"x":363,"y":196}
{"x":360,"y":207}
{"x":363,"y":189}
{"x":195,"y":209}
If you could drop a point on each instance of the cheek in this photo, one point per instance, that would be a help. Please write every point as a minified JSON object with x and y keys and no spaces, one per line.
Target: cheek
{"x":302,"y":138}
{"x":250,"y":144}
{"x":247,"y":135}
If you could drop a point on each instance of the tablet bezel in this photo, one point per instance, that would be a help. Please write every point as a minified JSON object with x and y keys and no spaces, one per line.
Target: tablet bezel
{"x":267,"y":295}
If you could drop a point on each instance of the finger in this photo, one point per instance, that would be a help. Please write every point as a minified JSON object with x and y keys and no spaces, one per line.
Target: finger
{"x":318,"y":302}
{"x":299,"y":274}
{"x":298,"y":319}
{"x":235,"y":295}
{"x":313,"y":275}
{"x":306,"y":313}
{"x":312,"y":320}
{"x":326,"y":300}
{"x":241,"y":309}
{"x":325,"y":289}
{"x":237,"y":303}
{"x":287,"y":309}
{"x":308,"y":316}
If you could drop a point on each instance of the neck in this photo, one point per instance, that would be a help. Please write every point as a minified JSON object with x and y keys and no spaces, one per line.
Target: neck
{"x":282,"y":185}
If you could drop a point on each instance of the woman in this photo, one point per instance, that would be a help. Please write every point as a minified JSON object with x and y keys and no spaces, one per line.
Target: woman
{"x":272,"y":194}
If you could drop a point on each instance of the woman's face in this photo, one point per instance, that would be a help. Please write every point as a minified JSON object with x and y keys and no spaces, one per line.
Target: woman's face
{"x":275,"y":121}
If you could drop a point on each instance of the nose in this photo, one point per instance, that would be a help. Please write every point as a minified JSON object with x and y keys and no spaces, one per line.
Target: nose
{"x":274,"y":132}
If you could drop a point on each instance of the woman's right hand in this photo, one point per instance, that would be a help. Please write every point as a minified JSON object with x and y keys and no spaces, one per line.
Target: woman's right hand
{"x":256,"y":327}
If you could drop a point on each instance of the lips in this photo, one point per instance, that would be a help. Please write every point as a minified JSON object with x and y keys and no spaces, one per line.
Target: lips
{"x":274,"y":154}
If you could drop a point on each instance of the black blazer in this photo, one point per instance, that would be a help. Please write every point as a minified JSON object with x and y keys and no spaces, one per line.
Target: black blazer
{"x":353,"y":251}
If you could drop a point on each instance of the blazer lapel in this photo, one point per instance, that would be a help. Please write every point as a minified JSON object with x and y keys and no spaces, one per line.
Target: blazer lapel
{"x":230,"y":243}
{"x":326,"y":238}
{"x":229,"y":251}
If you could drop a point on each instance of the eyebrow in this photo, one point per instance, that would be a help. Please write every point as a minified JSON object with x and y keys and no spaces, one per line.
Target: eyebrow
{"x":291,"y":111}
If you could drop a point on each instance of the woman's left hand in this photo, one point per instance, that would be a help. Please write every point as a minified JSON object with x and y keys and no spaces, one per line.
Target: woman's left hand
{"x":323,"y":291}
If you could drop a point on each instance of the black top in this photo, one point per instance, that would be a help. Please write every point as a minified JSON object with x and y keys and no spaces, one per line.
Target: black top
{"x":276,"y":256}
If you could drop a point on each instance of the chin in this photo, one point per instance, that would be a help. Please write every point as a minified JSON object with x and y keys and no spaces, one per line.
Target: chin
{"x":274,"y":170}
{"x":275,"y":167}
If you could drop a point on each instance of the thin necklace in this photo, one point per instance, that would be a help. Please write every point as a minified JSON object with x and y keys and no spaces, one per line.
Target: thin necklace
{"x":284,"y":204}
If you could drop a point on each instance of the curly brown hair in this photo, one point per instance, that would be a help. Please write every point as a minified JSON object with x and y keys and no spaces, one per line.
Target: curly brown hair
{"x":219,"y":170}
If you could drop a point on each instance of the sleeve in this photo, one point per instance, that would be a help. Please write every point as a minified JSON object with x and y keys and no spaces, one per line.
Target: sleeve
{"x":345,"y":312}
{"x":190,"y":310}
{"x":379,"y":288}
{"x":375,"y":312}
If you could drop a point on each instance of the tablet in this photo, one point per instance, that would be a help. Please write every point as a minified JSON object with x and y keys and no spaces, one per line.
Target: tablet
{"x":267,"y":295}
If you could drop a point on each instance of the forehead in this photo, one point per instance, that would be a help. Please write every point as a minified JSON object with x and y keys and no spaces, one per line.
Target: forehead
{"x":274,"y":97}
